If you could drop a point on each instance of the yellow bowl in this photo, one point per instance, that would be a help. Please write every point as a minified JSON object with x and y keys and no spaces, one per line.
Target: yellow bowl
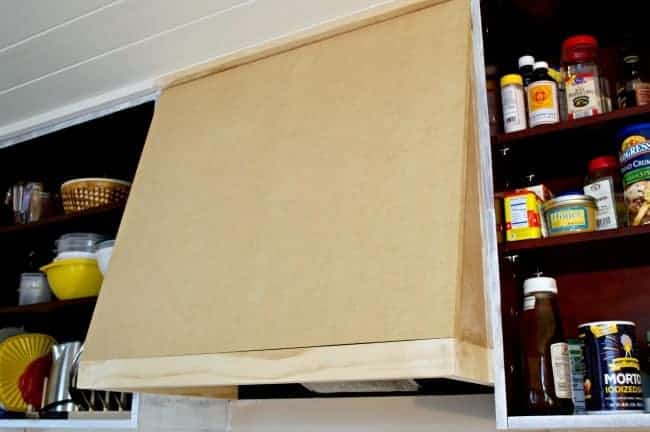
{"x":73,"y":278}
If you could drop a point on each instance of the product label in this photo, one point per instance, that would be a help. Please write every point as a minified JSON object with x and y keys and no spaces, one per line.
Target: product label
{"x":582,"y":95}
{"x":577,"y":363}
{"x":568,"y":219}
{"x":635,"y":167}
{"x":613,"y":379}
{"x":542,"y":103}
{"x":603,"y":191}
{"x":561,"y":370}
{"x":522,"y":217}
{"x":603,"y":329}
{"x":643,"y":94}
{"x":529,"y":303}
{"x":519,"y":212}
{"x":514,"y":111}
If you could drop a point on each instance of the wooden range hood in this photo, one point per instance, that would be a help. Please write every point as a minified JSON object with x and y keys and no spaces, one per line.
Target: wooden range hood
{"x":309,"y":213}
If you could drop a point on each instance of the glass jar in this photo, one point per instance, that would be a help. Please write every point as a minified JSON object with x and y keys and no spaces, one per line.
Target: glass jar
{"x":582,"y":80}
{"x":606,"y":168}
{"x":545,"y":363}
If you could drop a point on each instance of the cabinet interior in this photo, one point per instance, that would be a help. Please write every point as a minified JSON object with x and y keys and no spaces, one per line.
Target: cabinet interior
{"x":109,"y":146}
{"x":600,"y":275}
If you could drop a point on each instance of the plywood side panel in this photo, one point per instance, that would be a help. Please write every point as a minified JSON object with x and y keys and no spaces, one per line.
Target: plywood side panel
{"x":471,"y":320}
{"x":310,"y":198}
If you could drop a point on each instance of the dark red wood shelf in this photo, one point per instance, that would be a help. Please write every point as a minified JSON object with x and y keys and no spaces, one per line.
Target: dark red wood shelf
{"x":104,"y":211}
{"x":43,"y":308}
{"x":575,"y":239}
{"x":610,"y":119}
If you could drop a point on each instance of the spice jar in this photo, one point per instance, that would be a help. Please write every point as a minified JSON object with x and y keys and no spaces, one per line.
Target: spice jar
{"x":635,"y":89}
{"x":605,"y":185}
{"x":512,"y":102}
{"x":545,"y":363}
{"x":543,"y":105}
{"x":582,"y":80}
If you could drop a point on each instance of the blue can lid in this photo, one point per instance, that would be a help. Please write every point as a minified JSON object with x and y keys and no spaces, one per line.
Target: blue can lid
{"x":634,"y":129}
{"x":570,"y":192}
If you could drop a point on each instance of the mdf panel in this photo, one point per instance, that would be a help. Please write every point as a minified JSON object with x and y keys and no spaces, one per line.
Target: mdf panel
{"x":315,"y":197}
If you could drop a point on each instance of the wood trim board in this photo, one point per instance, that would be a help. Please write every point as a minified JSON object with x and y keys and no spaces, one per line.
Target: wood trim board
{"x":216,"y":375}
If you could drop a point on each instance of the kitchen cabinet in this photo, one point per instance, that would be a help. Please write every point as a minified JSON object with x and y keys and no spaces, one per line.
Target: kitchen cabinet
{"x":600,"y":275}
{"x":312,"y":214}
{"x":322,"y":210}
{"x":116,"y":142}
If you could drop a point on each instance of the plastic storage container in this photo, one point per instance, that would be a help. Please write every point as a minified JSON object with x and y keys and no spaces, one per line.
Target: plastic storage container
{"x":33,"y":289}
{"x":104,"y":250}
{"x":77,"y":242}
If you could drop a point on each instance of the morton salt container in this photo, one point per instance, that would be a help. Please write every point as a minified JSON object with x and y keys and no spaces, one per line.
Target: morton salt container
{"x":612,"y":372}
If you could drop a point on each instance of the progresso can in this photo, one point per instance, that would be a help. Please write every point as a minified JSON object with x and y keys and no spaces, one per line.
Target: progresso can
{"x":612,"y":371}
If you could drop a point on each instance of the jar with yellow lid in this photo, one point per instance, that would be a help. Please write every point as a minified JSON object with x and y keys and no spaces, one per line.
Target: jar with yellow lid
{"x":513,"y":103}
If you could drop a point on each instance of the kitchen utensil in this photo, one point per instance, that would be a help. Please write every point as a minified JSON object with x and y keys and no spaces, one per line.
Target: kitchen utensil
{"x":73,"y":278}
{"x":62,"y":376}
{"x":103,"y":251}
{"x":85,"y":193}
{"x":33,"y":289}
{"x":14,"y":200}
{"x":29,"y":202}
{"x":24,"y":364}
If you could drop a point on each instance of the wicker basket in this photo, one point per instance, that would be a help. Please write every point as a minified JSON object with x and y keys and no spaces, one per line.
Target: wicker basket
{"x":83,"y":194}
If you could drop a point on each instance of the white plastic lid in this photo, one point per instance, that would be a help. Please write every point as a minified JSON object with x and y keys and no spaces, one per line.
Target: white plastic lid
{"x":540,"y":284}
{"x":540,"y":65}
{"x":527,"y":60}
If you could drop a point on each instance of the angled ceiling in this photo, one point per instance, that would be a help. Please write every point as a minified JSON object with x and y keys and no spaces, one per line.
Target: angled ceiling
{"x":58,"y":59}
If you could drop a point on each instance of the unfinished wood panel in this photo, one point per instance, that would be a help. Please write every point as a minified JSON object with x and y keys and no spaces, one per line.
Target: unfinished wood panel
{"x":471,"y":320}
{"x":201,"y":374}
{"x":309,"y":198}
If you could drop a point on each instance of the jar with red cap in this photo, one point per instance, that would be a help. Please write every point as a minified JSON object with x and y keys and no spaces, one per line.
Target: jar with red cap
{"x":605,"y":185}
{"x":582,"y":80}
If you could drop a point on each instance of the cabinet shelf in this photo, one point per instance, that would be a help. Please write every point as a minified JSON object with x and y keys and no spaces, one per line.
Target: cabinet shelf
{"x":583,"y":239}
{"x":113,"y":211}
{"x":44,"y":308}
{"x":596,"y":123}
{"x":618,"y":421}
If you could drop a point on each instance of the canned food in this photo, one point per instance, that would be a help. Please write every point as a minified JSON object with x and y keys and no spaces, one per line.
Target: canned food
{"x":612,"y":371}
{"x":570,"y":214}
{"x":635,"y":169}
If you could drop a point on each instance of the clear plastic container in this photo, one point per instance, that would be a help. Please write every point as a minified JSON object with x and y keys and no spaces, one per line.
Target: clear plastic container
{"x":582,"y":79}
{"x":104,"y":250}
{"x":33,"y":289}
{"x":78,"y":242}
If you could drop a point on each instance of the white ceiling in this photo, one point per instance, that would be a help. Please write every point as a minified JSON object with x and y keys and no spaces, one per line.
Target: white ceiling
{"x":59,"y":58}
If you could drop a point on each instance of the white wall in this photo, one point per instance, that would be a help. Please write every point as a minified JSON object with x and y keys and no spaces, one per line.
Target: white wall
{"x":472,"y":413}
{"x":395,"y":414}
